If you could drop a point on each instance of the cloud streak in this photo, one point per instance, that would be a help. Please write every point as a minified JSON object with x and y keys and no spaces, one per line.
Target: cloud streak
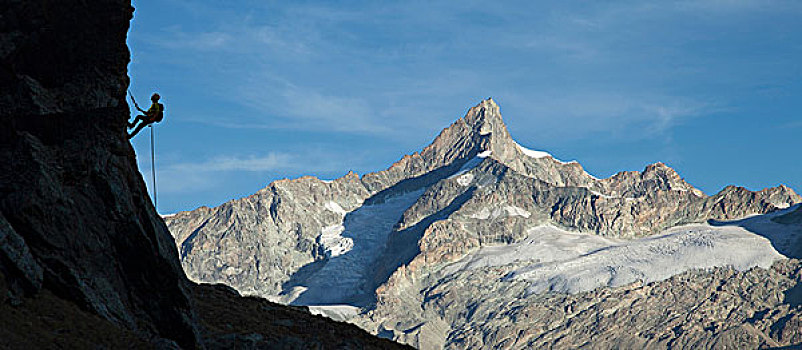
{"x":186,"y":177}
{"x":607,"y":115}
{"x":271,"y":161}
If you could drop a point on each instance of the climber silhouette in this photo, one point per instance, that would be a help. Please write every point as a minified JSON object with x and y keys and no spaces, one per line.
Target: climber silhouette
{"x":154,"y":114}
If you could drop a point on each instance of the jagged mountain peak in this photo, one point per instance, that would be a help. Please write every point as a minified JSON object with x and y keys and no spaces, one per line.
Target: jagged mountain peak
{"x":485,"y":125}
{"x":485,"y":119}
{"x":661,"y":172}
{"x":654,"y":177}
{"x":779,"y":197}
{"x":480,"y":130}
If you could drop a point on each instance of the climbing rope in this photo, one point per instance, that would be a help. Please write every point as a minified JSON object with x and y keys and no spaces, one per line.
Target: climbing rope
{"x":153,"y":167}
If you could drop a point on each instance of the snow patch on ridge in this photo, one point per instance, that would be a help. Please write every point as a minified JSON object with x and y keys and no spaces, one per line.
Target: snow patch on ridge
{"x":465,"y":179}
{"x":334,"y":312}
{"x":470,"y":164}
{"x":334,"y":207}
{"x":539,"y":154}
{"x":651,"y":259}
{"x":509,"y":210}
{"x":484,"y":154}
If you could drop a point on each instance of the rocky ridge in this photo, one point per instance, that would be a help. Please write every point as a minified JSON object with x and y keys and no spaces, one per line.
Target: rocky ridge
{"x":473,"y":187}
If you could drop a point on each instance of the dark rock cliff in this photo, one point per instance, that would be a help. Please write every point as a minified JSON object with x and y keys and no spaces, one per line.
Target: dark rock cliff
{"x":75,"y":212}
{"x":78,"y":233}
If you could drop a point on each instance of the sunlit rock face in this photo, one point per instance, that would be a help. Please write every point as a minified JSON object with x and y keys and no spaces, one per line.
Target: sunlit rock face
{"x":468,"y":212}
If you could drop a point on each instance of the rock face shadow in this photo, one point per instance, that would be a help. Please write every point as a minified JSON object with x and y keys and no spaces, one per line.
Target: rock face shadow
{"x":785,"y":238}
{"x":402,"y":245}
{"x":793,"y":296}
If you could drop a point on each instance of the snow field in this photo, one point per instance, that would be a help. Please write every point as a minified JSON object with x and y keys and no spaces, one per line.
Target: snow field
{"x":551,"y":259}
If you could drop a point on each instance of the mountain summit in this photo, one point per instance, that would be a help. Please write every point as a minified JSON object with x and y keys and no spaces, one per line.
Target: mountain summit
{"x":472,"y":203}
{"x":482,"y":131}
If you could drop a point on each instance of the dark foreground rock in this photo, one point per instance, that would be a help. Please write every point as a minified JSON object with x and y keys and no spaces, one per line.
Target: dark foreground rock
{"x":46,"y":321}
{"x":226,"y":321}
{"x":76,"y":217}
{"x":234,"y":322}
{"x":85,"y":260}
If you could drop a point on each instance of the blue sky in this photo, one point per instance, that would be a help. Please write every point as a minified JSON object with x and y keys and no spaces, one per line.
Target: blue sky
{"x":261,"y":90}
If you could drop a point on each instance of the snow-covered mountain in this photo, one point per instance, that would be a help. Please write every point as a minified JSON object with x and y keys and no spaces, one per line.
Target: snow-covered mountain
{"x":476,"y":211}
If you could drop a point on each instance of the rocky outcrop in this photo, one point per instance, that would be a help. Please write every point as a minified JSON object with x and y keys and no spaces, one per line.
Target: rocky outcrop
{"x":233,"y":322}
{"x":256,"y":242}
{"x":85,"y":260}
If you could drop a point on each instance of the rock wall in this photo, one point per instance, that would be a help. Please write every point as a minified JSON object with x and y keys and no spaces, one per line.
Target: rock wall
{"x":75,"y":217}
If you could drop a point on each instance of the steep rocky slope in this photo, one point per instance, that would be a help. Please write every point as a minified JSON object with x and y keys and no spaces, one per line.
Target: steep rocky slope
{"x":85,"y":261}
{"x":379,"y":243}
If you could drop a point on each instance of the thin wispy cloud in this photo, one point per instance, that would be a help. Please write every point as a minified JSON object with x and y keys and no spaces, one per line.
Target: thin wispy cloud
{"x":271,"y":161}
{"x":286,"y":106}
{"x":175,"y":38}
{"x":609,"y":115}
{"x":185,"y":177}
{"x":676,"y":112}
{"x":330,"y":112}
